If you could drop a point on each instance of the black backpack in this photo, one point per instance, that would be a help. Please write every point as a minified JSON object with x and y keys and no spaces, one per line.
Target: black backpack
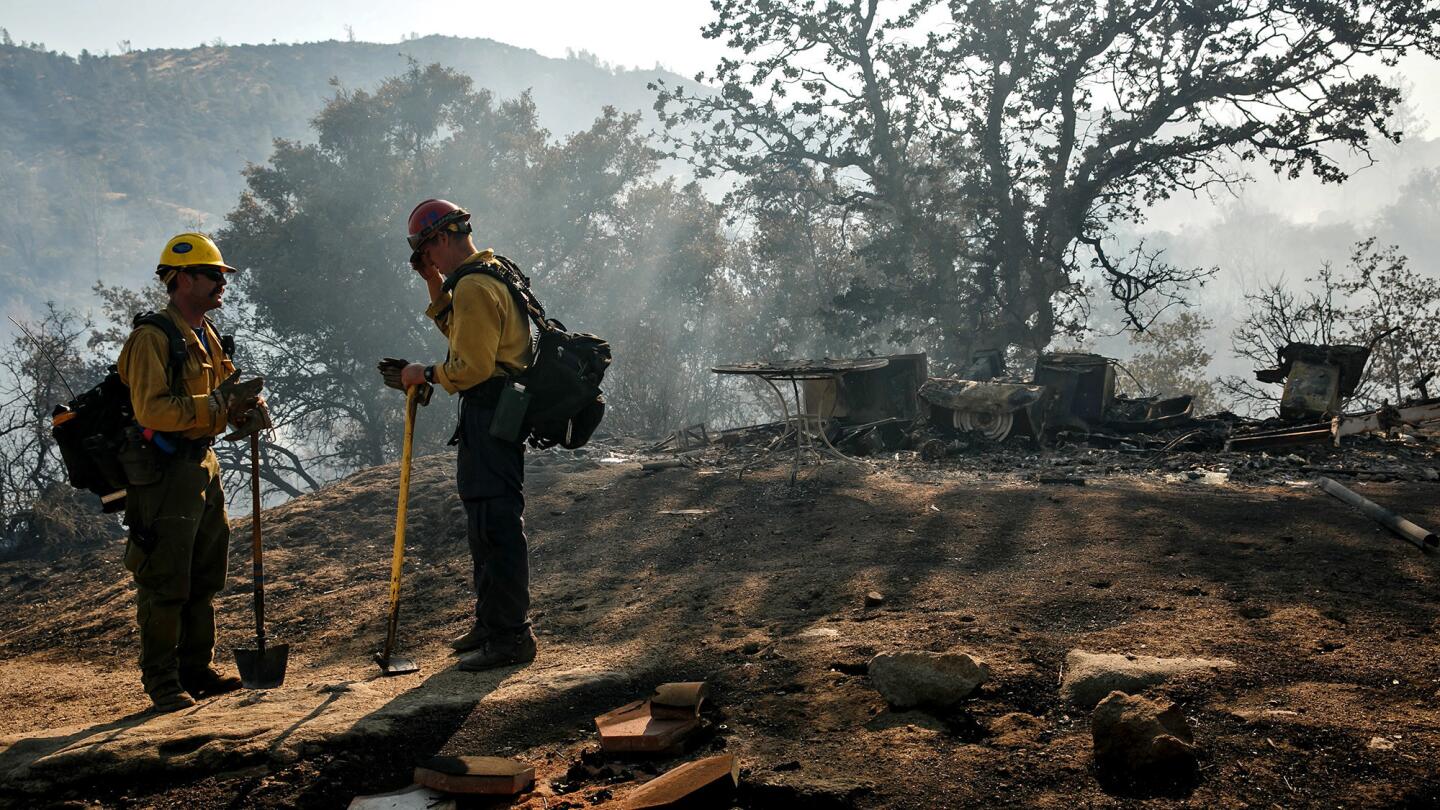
{"x":90,"y":430}
{"x":563,"y":381}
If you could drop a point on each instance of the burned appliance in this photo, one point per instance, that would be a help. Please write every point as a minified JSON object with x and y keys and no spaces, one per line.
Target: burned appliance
{"x":992,"y":409}
{"x":1318,"y":379}
{"x":1082,"y":387}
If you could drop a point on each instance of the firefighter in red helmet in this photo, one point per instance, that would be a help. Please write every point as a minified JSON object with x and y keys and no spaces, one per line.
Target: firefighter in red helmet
{"x":489,"y":341}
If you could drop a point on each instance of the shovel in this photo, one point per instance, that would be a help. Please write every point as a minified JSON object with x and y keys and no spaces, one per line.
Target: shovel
{"x":262,"y":667}
{"x":390,"y":663}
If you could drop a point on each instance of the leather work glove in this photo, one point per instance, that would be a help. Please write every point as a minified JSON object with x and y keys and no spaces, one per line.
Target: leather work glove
{"x":390,"y":369}
{"x":252,"y":422}
{"x":236,"y":398}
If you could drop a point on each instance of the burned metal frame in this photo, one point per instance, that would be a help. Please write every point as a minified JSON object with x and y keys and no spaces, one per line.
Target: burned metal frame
{"x":1413,"y":415}
{"x":795,"y":372}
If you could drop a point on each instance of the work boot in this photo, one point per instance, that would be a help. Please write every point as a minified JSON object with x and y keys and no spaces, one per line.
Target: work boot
{"x":474,"y":639}
{"x":499,"y":652}
{"x":170,"y":700}
{"x":208,"y":683}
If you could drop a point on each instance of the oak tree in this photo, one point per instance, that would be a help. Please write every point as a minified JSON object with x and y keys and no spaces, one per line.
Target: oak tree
{"x":991,"y":147}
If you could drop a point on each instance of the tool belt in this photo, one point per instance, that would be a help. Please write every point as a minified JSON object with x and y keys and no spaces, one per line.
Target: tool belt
{"x":190,"y":449}
{"x":486,"y":394}
{"x":144,"y":455}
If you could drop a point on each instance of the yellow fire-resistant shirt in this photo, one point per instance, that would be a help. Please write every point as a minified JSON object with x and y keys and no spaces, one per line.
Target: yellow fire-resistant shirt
{"x":488,"y":333}
{"x":144,"y":364}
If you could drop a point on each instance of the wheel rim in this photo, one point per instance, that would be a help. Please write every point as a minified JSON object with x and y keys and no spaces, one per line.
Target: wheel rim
{"x":990,"y":425}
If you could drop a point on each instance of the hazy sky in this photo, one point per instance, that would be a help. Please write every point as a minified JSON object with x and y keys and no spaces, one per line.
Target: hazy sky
{"x":631,"y":33}
{"x":628,"y":33}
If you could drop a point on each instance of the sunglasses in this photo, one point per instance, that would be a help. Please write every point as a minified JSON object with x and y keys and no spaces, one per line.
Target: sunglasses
{"x":211,"y":273}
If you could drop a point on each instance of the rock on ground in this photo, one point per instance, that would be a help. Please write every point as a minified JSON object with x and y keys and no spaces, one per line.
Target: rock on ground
{"x":917,"y":678}
{"x":1016,"y":730}
{"x":1089,"y":677}
{"x":1141,"y":738}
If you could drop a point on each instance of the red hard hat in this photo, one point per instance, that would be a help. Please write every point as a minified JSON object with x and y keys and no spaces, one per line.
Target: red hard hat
{"x":431,"y":216}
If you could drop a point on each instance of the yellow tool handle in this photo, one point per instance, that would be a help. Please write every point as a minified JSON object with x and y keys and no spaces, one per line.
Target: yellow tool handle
{"x":398,"y":558}
{"x":257,"y":560}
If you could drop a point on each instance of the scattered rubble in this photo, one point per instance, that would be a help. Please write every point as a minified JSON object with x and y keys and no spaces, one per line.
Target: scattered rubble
{"x":1089,"y":677}
{"x":494,"y":776}
{"x":594,"y":767}
{"x":657,"y":725}
{"x":1142,"y":739}
{"x":937,"y":680}
{"x":1388,"y":419}
{"x":1077,"y":459}
{"x":1066,"y":424}
{"x":708,"y":782}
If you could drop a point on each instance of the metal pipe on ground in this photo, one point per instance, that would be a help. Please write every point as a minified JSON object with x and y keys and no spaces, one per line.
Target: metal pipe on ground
{"x":1418,"y":535}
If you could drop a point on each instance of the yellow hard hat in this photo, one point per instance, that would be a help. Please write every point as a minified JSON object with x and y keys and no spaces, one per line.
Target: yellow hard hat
{"x":189,"y":250}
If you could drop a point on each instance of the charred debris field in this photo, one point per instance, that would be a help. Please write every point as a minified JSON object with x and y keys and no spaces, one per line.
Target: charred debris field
{"x":1315,"y":628}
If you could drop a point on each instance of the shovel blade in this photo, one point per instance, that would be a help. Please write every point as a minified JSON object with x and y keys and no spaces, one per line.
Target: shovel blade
{"x":395,"y":665}
{"x":263,"y":671}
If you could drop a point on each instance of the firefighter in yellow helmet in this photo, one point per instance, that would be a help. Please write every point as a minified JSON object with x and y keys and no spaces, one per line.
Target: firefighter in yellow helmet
{"x":184,"y":391}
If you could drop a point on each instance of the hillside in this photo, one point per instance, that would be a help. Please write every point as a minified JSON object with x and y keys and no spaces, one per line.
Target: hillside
{"x":761,"y":590}
{"x":103,"y":157}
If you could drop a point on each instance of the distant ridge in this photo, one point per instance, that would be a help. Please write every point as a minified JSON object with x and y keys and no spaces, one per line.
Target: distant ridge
{"x":148,"y":138}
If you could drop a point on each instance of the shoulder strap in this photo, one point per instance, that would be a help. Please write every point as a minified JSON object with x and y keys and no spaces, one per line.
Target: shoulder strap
{"x":177,"y":354}
{"x":227,"y":342}
{"x":508,"y":273}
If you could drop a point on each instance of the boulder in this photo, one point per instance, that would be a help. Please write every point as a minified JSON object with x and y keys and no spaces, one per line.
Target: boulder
{"x":1089,"y":677}
{"x":1142,"y":739}
{"x":916,"y":678}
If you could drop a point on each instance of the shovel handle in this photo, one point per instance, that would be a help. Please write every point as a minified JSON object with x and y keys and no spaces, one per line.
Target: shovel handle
{"x":259,"y":565}
{"x":397,"y":557}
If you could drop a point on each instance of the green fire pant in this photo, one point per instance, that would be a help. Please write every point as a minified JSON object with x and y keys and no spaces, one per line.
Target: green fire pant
{"x":179,"y":539}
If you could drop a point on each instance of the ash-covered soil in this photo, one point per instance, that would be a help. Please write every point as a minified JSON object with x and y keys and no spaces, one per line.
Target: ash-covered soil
{"x":758,"y":587}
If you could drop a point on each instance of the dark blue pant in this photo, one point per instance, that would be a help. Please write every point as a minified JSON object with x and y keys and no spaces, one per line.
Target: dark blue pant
{"x":490,"y":475}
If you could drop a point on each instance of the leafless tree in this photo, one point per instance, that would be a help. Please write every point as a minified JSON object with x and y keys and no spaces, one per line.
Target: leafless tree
{"x":1378,"y":301}
{"x":39,"y":369}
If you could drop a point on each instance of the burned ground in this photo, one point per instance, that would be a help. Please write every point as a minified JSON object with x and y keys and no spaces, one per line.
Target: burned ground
{"x":759,"y":588}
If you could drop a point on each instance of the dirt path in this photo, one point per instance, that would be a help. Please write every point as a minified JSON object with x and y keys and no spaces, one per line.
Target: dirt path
{"x":1332,"y":624}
